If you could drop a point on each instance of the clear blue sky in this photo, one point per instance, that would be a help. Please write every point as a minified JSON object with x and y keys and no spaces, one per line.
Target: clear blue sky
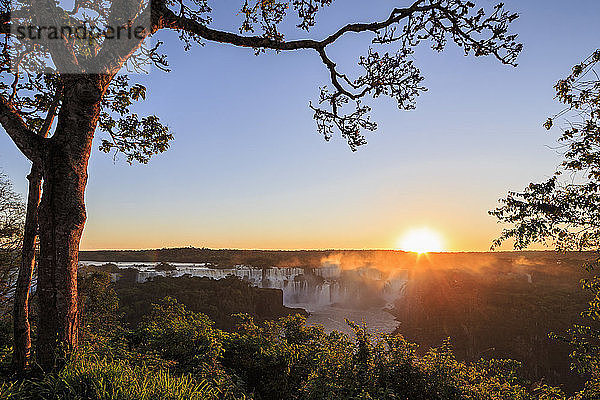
{"x":248,"y":170}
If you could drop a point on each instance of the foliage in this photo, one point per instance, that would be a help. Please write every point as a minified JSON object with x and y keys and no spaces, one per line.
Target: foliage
{"x":286,"y":359}
{"x":499,"y":306}
{"x":565,"y":212}
{"x":100,"y":329}
{"x":275,"y":358}
{"x":139,"y":138}
{"x":287,"y":356}
{"x":102,"y":379}
{"x":175,"y":353}
{"x":490,"y":305}
{"x":98,"y":301}
{"x":185,"y":340}
{"x":394,"y":74}
{"x":6,"y":339}
{"x":180,"y":335}
{"x":217,"y":298}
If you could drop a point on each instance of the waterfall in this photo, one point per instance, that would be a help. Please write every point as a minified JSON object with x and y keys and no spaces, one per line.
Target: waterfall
{"x":318,"y":286}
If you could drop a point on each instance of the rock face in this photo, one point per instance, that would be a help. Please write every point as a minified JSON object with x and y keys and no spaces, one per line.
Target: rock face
{"x":269,"y":304}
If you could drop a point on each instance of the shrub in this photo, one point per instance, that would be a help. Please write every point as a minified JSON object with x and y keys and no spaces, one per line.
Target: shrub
{"x":180,"y":335}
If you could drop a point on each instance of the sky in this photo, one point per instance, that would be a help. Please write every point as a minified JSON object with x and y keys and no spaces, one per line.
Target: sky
{"x":247,"y":168}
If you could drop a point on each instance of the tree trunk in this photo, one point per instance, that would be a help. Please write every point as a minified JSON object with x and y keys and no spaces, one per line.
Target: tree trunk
{"x":21,"y":326}
{"x":62,"y":218}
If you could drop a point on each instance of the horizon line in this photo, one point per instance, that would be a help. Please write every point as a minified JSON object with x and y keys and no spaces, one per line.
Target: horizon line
{"x":328,"y":249}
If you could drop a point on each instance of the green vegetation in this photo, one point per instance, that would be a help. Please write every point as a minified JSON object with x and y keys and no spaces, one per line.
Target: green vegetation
{"x":504,"y":308}
{"x":170,"y":351}
{"x":253,"y":357}
{"x":91,"y":378}
{"x":219,"y":299}
{"x":175,"y":353}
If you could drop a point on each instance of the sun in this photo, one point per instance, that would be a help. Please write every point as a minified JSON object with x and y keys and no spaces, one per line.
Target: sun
{"x":423,"y":240}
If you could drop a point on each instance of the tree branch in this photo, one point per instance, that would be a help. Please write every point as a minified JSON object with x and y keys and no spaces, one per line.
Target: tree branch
{"x":26,"y":140}
{"x":114,"y":53}
{"x":165,"y":18}
{"x":45,"y":129}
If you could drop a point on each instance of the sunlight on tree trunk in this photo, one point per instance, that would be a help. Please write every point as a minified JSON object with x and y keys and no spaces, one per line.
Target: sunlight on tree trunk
{"x":62,"y":218}
{"x":21,"y":324}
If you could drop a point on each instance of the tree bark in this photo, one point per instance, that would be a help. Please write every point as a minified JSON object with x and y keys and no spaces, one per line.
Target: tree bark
{"x":62,"y":217}
{"x":21,"y":326}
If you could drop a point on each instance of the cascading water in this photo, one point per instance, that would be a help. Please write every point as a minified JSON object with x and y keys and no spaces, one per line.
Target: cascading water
{"x":330,"y":293}
{"x":319,"y":286}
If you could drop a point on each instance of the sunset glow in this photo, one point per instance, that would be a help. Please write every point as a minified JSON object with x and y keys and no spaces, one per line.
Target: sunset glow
{"x":422,"y":240}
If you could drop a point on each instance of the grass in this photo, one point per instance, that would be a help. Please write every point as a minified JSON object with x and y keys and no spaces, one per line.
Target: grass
{"x":108,"y":380}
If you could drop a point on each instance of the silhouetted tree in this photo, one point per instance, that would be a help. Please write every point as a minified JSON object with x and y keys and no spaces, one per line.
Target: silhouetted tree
{"x":81,"y":76}
{"x":564,"y":212}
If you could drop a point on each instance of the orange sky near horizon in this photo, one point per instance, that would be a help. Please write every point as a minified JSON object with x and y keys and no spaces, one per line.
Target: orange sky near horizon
{"x":454,"y":237}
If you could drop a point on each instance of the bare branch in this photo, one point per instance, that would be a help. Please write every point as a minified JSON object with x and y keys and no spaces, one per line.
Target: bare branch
{"x":392,"y":75}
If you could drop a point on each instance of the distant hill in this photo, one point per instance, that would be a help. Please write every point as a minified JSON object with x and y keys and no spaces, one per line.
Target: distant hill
{"x":220,"y":258}
{"x":260,"y":258}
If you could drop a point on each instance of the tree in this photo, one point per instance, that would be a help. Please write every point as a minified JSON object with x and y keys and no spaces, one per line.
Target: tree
{"x":99,"y":307}
{"x":81,"y":75}
{"x":12,"y":216}
{"x":21,"y":325}
{"x":565,"y":213}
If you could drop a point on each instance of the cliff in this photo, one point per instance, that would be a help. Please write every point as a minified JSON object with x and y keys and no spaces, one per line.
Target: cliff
{"x":219,"y":299}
